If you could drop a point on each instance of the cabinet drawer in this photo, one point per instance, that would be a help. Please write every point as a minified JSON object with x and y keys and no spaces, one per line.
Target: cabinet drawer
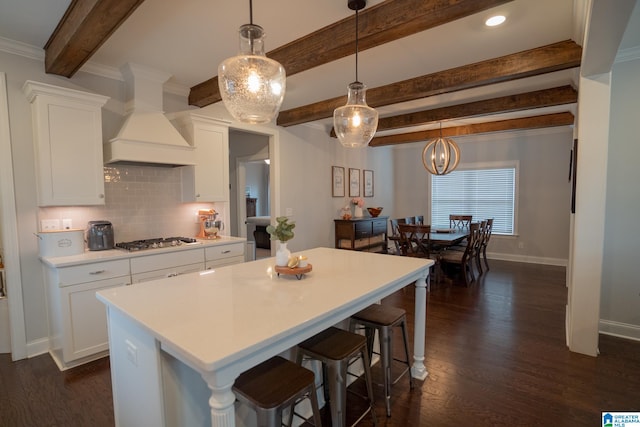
{"x":167,"y":260}
{"x":379,"y":226}
{"x":223,"y":262}
{"x":166,"y":272}
{"x":92,"y":272}
{"x":218,"y":252}
{"x":362,"y":229}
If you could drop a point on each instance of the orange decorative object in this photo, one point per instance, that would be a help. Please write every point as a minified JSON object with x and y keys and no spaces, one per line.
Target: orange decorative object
{"x":374,"y":212}
{"x":207,"y":217}
{"x":296,"y":271}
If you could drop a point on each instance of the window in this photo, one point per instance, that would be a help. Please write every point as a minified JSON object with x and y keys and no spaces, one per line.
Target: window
{"x":483,"y":193}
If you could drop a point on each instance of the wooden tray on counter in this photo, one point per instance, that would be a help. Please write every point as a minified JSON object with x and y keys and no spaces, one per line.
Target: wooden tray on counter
{"x":296,"y":271}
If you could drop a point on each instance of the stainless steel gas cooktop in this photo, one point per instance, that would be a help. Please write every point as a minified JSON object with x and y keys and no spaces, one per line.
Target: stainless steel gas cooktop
{"x":160,"y":242}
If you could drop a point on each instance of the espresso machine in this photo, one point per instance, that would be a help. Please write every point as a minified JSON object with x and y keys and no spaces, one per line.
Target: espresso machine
{"x":210,"y":226}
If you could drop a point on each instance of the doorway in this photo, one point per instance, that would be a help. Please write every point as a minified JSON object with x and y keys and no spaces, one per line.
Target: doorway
{"x":250,"y":178}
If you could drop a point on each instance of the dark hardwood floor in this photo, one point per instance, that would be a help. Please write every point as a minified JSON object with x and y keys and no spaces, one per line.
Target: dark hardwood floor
{"x":495,"y":353}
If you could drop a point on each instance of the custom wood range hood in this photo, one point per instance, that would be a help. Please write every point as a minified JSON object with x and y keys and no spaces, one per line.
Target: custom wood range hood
{"x":147,"y":136}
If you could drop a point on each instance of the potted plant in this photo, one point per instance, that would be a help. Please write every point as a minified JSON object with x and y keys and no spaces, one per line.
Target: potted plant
{"x":283,"y":232}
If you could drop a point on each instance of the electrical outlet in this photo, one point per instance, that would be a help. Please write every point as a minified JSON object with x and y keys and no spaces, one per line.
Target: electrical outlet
{"x":67,"y":224}
{"x":288,"y":212}
{"x":520,"y":245}
{"x":132,"y":352}
{"x":49,"y":224}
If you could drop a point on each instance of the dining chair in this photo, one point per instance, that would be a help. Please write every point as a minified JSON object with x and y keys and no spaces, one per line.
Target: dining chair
{"x":460,"y":221}
{"x":409,"y":220}
{"x":485,"y":241}
{"x":477,"y":250}
{"x":414,"y":240}
{"x":395,"y":235}
{"x":463,"y":259}
{"x":419,"y":219}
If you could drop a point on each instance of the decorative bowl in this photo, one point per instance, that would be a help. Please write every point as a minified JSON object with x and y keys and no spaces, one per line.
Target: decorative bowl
{"x":374,"y":212}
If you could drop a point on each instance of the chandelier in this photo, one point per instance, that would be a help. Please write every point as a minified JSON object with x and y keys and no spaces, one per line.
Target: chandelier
{"x":252,"y":86}
{"x":441,"y":155}
{"x":355,"y":123}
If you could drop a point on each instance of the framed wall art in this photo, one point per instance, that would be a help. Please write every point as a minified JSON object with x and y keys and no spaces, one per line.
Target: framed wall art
{"x":354,"y":182}
{"x":337,"y":181}
{"x":367,"y":185}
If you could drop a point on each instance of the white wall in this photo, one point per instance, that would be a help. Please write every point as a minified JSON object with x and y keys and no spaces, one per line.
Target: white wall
{"x":543,"y":204}
{"x":620,"y":294}
{"x":306,"y":156}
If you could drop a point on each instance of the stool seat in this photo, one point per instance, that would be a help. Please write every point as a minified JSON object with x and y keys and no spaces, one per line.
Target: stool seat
{"x":383,"y":318}
{"x":380,"y":315}
{"x":335,"y":348}
{"x":333,"y":343}
{"x":274,"y":385}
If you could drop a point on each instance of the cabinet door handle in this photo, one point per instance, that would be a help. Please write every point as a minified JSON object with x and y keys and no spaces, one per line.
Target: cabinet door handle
{"x":227,"y":251}
{"x":97,"y":272}
{"x":173,"y":274}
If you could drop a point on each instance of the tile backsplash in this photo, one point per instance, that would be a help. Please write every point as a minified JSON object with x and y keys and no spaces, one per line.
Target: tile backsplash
{"x":141,"y":202}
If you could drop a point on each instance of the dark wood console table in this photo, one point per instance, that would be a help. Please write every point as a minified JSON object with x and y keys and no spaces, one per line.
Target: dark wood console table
{"x":362,"y":234}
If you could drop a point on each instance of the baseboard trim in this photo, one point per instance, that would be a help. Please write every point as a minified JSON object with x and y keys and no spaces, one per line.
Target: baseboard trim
{"x":618,"y":329}
{"x":528,"y":259}
{"x":37,"y":347}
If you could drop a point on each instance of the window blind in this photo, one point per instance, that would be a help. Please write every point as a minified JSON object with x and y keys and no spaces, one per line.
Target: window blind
{"x":483,"y":193}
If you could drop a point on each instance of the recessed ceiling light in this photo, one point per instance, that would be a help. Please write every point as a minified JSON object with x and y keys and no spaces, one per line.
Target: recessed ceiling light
{"x":495,"y":20}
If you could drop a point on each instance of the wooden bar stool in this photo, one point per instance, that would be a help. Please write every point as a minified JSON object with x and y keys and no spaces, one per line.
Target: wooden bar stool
{"x":274,"y":385}
{"x":383,"y":318}
{"x":336,"y":348}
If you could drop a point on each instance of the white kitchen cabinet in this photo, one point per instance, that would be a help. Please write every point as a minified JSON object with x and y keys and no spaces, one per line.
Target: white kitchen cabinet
{"x":208,"y":180}
{"x":221,"y":255}
{"x":77,"y":320}
{"x":170,"y":264}
{"x":67,"y":135}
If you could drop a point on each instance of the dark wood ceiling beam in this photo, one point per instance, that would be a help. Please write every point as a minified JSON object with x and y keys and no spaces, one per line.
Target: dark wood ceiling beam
{"x":383,"y":23}
{"x":554,"y":57}
{"x":534,"y":122}
{"x":506,"y":104}
{"x":85,"y":26}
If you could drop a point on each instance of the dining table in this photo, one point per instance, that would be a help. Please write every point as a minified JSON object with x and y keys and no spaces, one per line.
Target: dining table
{"x":177,"y":344}
{"x":438,"y":237}
{"x":448,"y":236}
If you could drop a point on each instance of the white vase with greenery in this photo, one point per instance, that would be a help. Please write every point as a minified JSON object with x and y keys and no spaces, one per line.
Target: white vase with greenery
{"x":282,"y":232}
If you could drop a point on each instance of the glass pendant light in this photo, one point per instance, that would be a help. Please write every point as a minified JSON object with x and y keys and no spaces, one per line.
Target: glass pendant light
{"x":441,"y":155}
{"x":252,"y":86}
{"x":355,"y":123}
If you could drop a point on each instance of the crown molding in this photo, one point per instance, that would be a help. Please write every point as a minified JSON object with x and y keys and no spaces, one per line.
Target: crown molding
{"x":629,"y":54}
{"x":28,"y":51}
{"x":21,"y":49}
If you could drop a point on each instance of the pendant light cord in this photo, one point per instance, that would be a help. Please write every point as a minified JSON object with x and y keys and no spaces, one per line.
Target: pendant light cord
{"x":357,"y":45}
{"x":251,"y":12}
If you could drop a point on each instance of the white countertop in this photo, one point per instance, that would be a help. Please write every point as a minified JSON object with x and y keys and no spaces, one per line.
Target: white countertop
{"x":113,"y":254}
{"x":214,"y":317}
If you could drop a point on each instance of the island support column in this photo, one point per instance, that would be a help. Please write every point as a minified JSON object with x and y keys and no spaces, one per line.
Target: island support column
{"x":418,"y":370}
{"x":221,"y":401}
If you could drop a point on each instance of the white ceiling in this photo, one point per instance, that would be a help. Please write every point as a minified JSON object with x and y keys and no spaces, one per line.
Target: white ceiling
{"x":189,"y":38}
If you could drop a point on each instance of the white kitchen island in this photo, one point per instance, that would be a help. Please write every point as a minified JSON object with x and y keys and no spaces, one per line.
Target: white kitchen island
{"x":167,"y":336}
